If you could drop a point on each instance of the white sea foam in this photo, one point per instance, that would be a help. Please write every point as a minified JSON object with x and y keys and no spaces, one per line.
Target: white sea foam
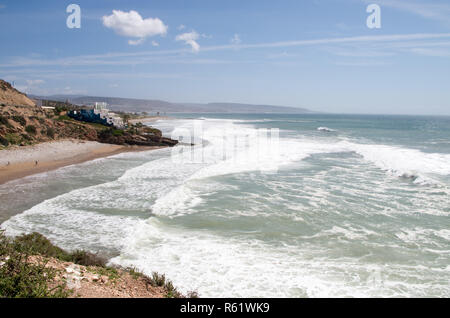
{"x":215,"y":267}
{"x":113,"y":217}
{"x":221,"y":158}
{"x":73,"y":229}
{"x":403,"y":162}
{"x":423,"y":235}
{"x":325,"y":129}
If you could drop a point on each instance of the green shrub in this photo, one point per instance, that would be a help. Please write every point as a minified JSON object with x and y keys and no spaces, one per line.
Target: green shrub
{"x":135,"y":273}
{"x":37,"y":244}
{"x":110,"y":272}
{"x":87,"y":259}
{"x":59,"y":109}
{"x":51,"y":132}
{"x":31,"y":129}
{"x":4,"y":121}
{"x":192,"y":294}
{"x":26,"y":137}
{"x":21,"y":278}
{"x":158,"y":280}
{"x":20,"y":119}
{"x":13,"y":139}
{"x":63,"y":117}
{"x":4,"y":141}
{"x":117,"y":132}
{"x":153,"y":131}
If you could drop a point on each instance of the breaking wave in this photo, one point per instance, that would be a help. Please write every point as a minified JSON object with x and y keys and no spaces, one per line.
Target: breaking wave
{"x":302,"y":217}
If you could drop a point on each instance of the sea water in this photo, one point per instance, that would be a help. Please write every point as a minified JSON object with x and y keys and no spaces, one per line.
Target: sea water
{"x":352,"y":206}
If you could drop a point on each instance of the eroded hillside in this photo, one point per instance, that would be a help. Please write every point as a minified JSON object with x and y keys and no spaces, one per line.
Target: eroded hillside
{"x":24,"y":123}
{"x":11,"y":96}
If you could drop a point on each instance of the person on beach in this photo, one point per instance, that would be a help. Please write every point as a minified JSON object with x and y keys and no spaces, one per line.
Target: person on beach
{"x":36,"y":163}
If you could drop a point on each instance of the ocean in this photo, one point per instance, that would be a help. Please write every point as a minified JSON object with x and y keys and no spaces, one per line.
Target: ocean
{"x":331,"y":206}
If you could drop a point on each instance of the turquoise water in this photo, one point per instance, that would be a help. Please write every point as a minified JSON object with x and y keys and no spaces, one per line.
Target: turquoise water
{"x":350,"y":205}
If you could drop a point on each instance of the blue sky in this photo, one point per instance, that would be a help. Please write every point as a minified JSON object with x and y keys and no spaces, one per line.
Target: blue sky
{"x":317,"y":54}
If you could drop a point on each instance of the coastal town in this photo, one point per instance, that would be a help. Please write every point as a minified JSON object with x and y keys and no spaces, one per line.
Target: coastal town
{"x":98,"y":114}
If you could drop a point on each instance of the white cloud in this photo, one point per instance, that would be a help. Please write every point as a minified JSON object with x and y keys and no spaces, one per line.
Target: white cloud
{"x":35,"y":82}
{"x":154,"y":43}
{"x":181,"y":27}
{"x":393,"y":43}
{"x":136,"y":42}
{"x":131,"y":24}
{"x":190,"y":39}
{"x":236,"y":39}
{"x":431,"y":52}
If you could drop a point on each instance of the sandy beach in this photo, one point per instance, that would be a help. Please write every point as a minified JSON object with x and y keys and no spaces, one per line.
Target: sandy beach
{"x":24,"y":161}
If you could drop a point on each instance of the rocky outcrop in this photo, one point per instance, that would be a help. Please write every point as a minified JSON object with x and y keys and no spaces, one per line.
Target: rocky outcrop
{"x":112,"y":136}
{"x":23,"y":123}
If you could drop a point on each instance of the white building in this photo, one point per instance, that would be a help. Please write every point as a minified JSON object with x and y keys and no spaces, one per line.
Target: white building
{"x":114,"y":120}
{"x":100,"y":106}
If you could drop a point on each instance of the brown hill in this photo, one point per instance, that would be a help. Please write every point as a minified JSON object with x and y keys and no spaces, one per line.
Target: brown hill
{"x":23,"y":123}
{"x":11,"y":96}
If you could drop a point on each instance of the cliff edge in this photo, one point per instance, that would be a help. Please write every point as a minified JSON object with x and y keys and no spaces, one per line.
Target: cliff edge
{"x":11,"y":96}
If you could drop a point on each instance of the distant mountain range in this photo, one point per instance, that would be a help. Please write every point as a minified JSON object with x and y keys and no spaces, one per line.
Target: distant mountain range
{"x":153,"y":106}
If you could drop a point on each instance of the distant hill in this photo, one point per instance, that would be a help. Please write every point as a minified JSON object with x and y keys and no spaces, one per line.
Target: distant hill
{"x":152,"y":106}
{"x":11,"y":96}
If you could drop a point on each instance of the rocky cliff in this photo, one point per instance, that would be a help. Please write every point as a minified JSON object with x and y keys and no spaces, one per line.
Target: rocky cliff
{"x":11,"y":96}
{"x":23,"y":123}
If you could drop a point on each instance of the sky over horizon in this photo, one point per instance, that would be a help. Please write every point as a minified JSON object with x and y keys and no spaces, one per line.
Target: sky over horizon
{"x":317,"y":54}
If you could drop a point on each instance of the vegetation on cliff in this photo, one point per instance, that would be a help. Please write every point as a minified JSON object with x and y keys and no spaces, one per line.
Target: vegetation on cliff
{"x":23,"y":123}
{"x":32,"y":267}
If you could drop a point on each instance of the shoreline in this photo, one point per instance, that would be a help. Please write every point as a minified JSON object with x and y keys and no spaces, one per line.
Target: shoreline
{"x":20,"y":162}
{"x":148,"y":119}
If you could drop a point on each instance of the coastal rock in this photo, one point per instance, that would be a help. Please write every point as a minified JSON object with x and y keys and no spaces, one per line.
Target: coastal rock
{"x":73,"y":276}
